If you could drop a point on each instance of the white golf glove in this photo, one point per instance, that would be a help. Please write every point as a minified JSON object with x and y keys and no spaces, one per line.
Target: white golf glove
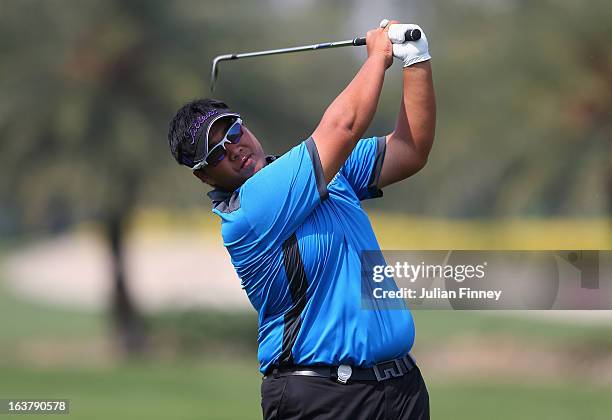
{"x":410,"y":52}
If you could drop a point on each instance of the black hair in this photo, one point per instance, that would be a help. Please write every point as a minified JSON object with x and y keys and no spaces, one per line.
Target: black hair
{"x":179,"y":137}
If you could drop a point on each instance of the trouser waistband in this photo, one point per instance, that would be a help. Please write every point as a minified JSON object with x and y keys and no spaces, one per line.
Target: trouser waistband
{"x":379,"y":372}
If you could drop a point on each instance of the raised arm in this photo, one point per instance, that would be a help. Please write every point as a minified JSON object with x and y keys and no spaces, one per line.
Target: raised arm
{"x":408,"y":146}
{"x":350,"y":114}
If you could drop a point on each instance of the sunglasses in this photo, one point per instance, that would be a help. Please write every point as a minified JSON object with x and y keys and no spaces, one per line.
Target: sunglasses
{"x":217,"y":153}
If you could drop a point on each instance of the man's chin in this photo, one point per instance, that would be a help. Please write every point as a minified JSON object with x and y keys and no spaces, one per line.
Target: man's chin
{"x":248,"y":173}
{"x":259,"y":165}
{"x":251,"y":170}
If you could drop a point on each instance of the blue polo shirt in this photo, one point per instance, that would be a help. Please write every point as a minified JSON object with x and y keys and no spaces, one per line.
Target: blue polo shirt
{"x":296,"y":245}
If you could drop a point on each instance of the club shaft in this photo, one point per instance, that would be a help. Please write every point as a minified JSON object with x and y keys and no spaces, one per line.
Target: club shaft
{"x":325,"y":45}
{"x":348,"y":42}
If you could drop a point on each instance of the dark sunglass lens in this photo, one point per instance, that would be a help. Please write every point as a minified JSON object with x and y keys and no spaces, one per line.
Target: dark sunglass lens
{"x":234,"y":133}
{"x":216,"y":156}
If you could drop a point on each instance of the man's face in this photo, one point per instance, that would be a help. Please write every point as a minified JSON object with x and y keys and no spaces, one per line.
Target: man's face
{"x":241,"y":161}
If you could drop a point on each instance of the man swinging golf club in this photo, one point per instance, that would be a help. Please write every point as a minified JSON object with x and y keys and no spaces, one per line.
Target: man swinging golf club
{"x":295,"y":230}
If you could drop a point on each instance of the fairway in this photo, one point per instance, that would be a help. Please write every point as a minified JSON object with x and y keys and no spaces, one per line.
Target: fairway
{"x":57,"y":353}
{"x":223,"y":389}
{"x":215,"y":389}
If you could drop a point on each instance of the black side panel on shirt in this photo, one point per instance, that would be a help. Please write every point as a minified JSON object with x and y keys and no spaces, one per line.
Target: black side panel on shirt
{"x":296,"y":276}
{"x":318,"y":168}
{"x":381,"y":145}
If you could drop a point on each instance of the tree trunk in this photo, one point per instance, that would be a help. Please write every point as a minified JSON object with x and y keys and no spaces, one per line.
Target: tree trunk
{"x":128,"y":323}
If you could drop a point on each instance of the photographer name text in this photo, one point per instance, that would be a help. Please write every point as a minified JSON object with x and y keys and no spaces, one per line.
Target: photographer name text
{"x":437,"y":293}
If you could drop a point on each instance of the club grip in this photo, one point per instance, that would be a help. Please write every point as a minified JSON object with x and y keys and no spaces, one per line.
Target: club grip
{"x":410,"y":35}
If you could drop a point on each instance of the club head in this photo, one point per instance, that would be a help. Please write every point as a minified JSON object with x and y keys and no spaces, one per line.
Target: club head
{"x":215,"y":70}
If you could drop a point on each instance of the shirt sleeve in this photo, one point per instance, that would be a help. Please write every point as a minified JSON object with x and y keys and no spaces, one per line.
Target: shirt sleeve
{"x":278,"y":199}
{"x":363,"y":166}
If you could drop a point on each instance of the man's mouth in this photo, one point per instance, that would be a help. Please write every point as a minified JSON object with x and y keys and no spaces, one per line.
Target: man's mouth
{"x":245,"y":161}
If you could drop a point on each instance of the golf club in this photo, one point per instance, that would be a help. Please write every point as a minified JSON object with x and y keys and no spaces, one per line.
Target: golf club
{"x":411,"y":35}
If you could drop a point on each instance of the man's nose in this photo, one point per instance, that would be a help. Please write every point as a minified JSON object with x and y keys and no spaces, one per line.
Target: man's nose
{"x":233,"y":150}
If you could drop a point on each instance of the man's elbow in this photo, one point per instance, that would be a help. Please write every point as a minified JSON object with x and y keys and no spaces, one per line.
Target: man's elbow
{"x":417,"y":163}
{"x":420,"y":153}
{"x":411,"y":166}
{"x":422,"y":149}
{"x":421,"y":162}
{"x":346,"y":126}
{"x":338,"y":125}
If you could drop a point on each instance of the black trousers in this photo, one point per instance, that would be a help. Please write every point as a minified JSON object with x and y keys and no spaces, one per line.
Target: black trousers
{"x":305,"y":397}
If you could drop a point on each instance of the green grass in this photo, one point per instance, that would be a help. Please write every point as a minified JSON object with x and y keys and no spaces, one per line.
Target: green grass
{"x":229,"y":389}
{"x":22,"y":319}
{"x":542,"y":401}
{"x":219,"y":389}
{"x":213,"y":384}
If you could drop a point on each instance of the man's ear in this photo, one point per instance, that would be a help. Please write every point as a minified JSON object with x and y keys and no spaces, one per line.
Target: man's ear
{"x":204,"y":177}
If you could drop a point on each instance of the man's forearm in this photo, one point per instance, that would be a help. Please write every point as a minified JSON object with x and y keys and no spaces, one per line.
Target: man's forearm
{"x":416,"y":121}
{"x":355,"y":107}
{"x":349,"y":115}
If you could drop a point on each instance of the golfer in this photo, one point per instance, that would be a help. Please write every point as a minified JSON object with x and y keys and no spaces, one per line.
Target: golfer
{"x":295,"y":229}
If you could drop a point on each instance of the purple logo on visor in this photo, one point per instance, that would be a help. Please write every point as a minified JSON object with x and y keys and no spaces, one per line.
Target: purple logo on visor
{"x":198,"y":123}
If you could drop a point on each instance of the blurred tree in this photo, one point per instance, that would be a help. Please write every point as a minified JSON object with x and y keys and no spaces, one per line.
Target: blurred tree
{"x":88,"y":91}
{"x":87,"y":94}
{"x":525,"y":98}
